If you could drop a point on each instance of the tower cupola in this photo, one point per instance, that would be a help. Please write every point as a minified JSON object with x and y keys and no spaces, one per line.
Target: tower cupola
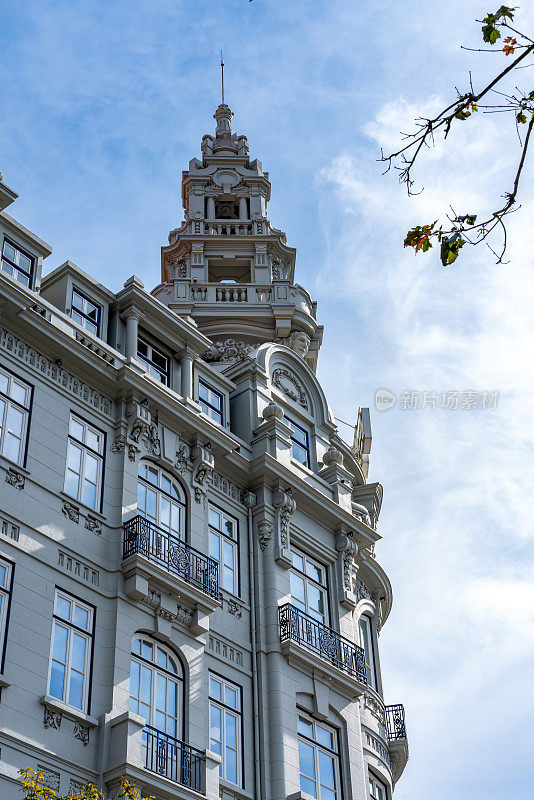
{"x":226,"y":266}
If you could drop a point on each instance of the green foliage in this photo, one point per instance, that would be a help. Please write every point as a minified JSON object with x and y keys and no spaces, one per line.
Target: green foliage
{"x":490,"y":32}
{"x":468,"y":219}
{"x":419,"y":237}
{"x":450,"y":248}
{"x":33,"y":788}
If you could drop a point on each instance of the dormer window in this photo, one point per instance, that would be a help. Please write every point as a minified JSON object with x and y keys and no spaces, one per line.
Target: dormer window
{"x":157,"y":364}
{"x":17,"y":263}
{"x":85,"y":312}
{"x":300,"y":443}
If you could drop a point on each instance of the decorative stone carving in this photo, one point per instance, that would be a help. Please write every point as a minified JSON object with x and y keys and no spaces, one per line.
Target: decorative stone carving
{"x":229,"y":488}
{"x":360,"y":589}
{"x":142,"y":428}
{"x":203,"y":463}
{"x":298,"y":341}
{"x":361,"y":512}
{"x":75,"y":786}
{"x":50,"y":777}
{"x":285,"y":506}
{"x":281,"y":270}
{"x":71,"y":511}
{"x":180,"y":460}
{"x":81,"y":732}
{"x":93,"y":524}
{"x":178,"y":264}
{"x":54,"y":372}
{"x":249,"y":499}
{"x":347,"y":549}
{"x":265,"y":532}
{"x":229,"y":352}
{"x":271,"y":410}
{"x":15,"y":478}
{"x":375,"y":707}
{"x":121,"y":443}
{"x":183,"y":615}
{"x":234,"y":608}
{"x":333,"y":456}
{"x":289,"y":385}
{"x":52,"y":719}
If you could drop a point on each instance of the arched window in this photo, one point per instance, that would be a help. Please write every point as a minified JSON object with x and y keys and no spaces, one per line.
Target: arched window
{"x":157,"y":686}
{"x":161,"y":500}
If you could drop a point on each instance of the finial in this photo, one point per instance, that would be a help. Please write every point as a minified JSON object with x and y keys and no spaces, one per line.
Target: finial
{"x":222,"y":78}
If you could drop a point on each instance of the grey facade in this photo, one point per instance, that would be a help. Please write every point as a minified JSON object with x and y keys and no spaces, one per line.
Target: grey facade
{"x":190,"y":592}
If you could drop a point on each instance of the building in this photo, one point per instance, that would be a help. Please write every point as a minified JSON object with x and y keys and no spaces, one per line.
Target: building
{"x":189,"y":590}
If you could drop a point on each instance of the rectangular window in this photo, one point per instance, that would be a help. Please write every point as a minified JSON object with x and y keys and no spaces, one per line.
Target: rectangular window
{"x":366,"y":642}
{"x":224,"y":548}
{"x":308,"y":586}
{"x":85,"y":312}
{"x":377,"y":790}
{"x":157,"y":364}
{"x":17,"y":263}
{"x":70,"y":652}
{"x":318,"y":759}
{"x":225,"y":727}
{"x":211,"y":402}
{"x":300,"y":445}
{"x":84,"y":468}
{"x":6,"y":583}
{"x":15,"y":399}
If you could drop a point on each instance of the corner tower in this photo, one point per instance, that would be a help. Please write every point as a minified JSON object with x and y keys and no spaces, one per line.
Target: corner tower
{"x":226,"y":266}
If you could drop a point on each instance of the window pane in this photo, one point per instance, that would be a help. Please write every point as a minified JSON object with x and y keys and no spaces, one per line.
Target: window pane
{"x":3,"y":576}
{"x":15,"y":421}
{"x":146,"y":684}
{"x":228,"y":554}
{"x":89,"y":494}
{"x":215,"y":725}
{"x":161,"y":658}
{"x":300,"y":454}
{"x":316,"y":599}
{"x":91,"y":467}
{"x":71,"y":483}
{"x":215,"y":689}
{"x":134,"y":678}
{"x":298,"y":561}
{"x":214,"y":546}
{"x":146,"y":650}
{"x":229,"y":528}
{"x":76,"y":689}
{"x":63,"y":607}
{"x":297,"y":588}
{"x":326,"y":770}
{"x":305,"y":727}
{"x":228,"y":579}
{"x":93,"y":440}
{"x":59,"y":648}
{"x":18,"y":392}
{"x":12,"y":447}
{"x":9,"y":251}
{"x":230,"y":697}
{"x":3,"y":382}
{"x":306,"y":760}
{"x":172,"y":707}
{"x":324,"y":737}
{"x":231,"y":730}
{"x":314,"y":572}
{"x":79,"y":644}
{"x":161,"y":694}
{"x":76,"y":429}
{"x":203,"y":391}
{"x":231,"y":765}
{"x":215,"y":519}
{"x":57,"y":678}
{"x":74,"y":457}
{"x":81,"y":617}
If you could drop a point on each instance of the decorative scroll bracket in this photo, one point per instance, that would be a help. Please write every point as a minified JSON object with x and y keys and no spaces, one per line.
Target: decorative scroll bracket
{"x":285,"y":507}
{"x":203,"y":464}
{"x":348,"y":550}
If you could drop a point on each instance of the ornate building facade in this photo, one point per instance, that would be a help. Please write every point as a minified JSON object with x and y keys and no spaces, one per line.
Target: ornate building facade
{"x":189,"y":593}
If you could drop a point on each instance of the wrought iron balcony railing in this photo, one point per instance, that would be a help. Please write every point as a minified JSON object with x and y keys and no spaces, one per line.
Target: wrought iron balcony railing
{"x":175,"y":760}
{"x":144,"y":538}
{"x":300,"y":627}
{"x":395,"y":722}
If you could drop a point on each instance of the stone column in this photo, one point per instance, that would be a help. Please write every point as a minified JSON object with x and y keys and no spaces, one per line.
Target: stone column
{"x":243,"y":210}
{"x":186,"y":362}
{"x":132,"y":317}
{"x":211,"y":208}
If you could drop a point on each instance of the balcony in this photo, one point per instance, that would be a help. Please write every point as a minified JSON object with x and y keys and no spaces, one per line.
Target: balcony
{"x":313,"y":644}
{"x":152,"y":557}
{"x":395,"y":722}
{"x":174,"y":760}
{"x":397,"y":739}
{"x":144,"y":538}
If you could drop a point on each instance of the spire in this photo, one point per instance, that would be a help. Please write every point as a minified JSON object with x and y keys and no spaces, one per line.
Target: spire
{"x":222,"y":79}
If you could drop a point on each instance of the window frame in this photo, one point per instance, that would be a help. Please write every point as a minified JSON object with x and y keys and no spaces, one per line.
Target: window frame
{"x":238,"y":713}
{"x":236,"y":591}
{"x":148,"y":362}
{"x":307,"y":447}
{"x":372,"y":778}
{"x":217,"y":393}
{"x":155,"y":669}
{"x":369,"y":652}
{"x":27,"y":411}
{"x":307,"y":578}
{"x":101,"y":457}
{"x":98,"y":306}
{"x":89,"y":635}
{"x":317,"y":746}
{"x":183,"y":532}
{"x":30,"y":275}
{"x":6,"y":592}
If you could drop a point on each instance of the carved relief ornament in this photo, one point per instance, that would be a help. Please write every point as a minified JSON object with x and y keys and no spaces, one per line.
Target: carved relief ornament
{"x":284,"y":380}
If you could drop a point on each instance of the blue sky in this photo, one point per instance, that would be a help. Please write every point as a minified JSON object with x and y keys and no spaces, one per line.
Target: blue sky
{"x":103,"y":106}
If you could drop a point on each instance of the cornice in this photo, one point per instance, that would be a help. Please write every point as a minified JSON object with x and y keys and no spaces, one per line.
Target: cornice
{"x":38,"y":244}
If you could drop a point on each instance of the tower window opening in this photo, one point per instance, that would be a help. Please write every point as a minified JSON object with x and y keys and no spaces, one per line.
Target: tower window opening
{"x":226,"y":209}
